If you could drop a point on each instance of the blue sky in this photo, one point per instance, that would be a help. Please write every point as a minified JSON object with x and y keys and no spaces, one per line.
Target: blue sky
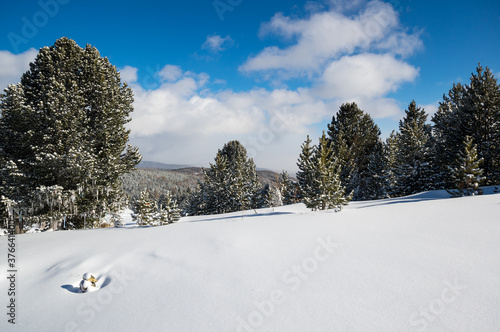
{"x":267,"y":73}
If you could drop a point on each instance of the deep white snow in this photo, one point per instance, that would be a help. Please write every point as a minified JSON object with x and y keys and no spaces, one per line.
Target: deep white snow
{"x":420,"y":263}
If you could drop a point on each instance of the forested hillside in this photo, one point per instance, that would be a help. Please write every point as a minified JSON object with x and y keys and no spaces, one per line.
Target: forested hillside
{"x":180,"y":182}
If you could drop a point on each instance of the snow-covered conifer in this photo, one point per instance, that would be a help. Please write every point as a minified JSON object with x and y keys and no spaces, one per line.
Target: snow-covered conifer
{"x":230,"y":184}
{"x":354,"y":135}
{"x":169,"y":211}
{"x":289,"y":189}
{"x":467,"y":174}
{"x":471,"y":110}
{"x":145,"y":209}
{"x":64,"y":125}
{"x":321,"y":186}
{"x":413,"y":168}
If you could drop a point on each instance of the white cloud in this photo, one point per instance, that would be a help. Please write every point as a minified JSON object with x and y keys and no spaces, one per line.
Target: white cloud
{"x":170,"y":73}
{"x":128,"y":74}
{"x":12,"y":66}
{"x":184,"y":122}
{"x":215,"y":43}
{"x":325,"y":36}
{"x":365,"y":75}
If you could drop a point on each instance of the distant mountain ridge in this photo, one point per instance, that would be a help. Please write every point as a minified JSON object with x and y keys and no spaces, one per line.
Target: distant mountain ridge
{"x":157,"y":165}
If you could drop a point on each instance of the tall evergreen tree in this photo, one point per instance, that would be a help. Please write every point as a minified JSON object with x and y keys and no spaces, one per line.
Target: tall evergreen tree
{"x":354,"y":135}
{"x":447,"y":132}
{"x":145,"y":209}
{"x":414,"y":167}
{"x":289,"y":189}
{"x":230,"y":184}
{"x":306,"y":172}
{"x":471,"y":110}
{"x":325,"y":190}
{"x":467,"y":174}
{"x":377,"y":183}
{"x":64,"y":124}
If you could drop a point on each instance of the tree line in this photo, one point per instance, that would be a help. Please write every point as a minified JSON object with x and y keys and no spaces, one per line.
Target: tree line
{"x":458,"y":150}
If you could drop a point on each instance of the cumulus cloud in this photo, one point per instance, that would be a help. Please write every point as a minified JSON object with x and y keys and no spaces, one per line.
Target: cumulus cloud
{"x":12,"y":66}
{"x":328,"y":35}
{"x":215,"y":43}
{"x":185,"y":122}
{"x":186,"y":106}
{"x":365,"y":75}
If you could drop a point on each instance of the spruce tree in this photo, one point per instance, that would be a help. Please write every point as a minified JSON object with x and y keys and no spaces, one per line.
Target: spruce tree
{"x":322,"y":188}
{"x":306,"y":172}
{"x":169,"y":212}
{"x":230,"y":184}
{"x":354,"y":136}
{"x":270,"y":196}
{"x":414,"y":169}
{"x":329,"y":191}
{"x":288,"y":189}
{"x":391,"y":151}
{"x":145,"y":209}
{"x":447,"y":133}
{"x":377,"y":183}
{"x":467,"y":174}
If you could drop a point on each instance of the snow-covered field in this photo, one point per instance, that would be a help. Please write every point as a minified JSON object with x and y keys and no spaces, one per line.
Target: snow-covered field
{"x":420,"y":263}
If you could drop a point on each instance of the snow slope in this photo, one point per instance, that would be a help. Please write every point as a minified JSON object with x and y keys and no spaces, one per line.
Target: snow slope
{"x":420,"y":263}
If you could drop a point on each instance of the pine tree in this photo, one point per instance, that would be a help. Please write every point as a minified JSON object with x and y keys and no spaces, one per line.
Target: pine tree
{"x":230,"y":184}
{"x":145,"y":209}
{"x":467,"y":174}
{"x":242,"y":182}
{"x":354,"y":136}
{"x":325,"y":190}
{"x":288,"y":189}
{"x":270,"y":196}
{"x":471,"y":110}
{"x":447,"y":133}
{"x":169,"y":211}
{"x":480,"y":115}
{"x":306,"y":172}
{"x":413,"y":168}
{"x":377,"y":183}
{"x":64,"y":125}
{"x":391,"y":151}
